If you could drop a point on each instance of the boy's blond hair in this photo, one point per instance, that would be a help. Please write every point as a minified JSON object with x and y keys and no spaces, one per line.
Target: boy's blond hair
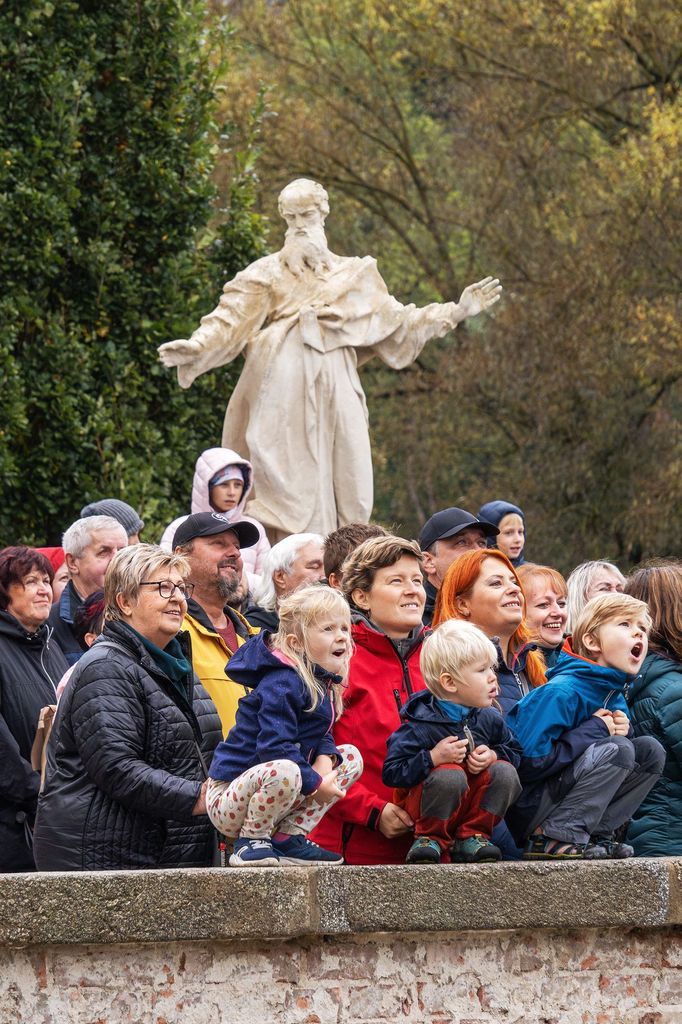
{"x":603,"y":609}
{"x":297,"y":613}
{"x":450,"y":648}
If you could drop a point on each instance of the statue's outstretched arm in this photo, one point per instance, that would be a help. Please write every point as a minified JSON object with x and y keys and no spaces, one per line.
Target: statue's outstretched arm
{"x":222,"y":335}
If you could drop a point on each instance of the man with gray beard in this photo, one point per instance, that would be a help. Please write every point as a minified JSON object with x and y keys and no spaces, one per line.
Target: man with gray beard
{"x":212,"y":546}
{"x":306,"y":319}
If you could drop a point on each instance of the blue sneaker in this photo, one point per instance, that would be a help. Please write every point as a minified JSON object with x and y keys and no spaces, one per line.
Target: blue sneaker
{"x":253,"y":853}
{"x":299,"y":850}
{"x":424,"y":851}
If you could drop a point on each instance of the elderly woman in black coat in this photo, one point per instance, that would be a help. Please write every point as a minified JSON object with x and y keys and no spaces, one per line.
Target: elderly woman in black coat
{"x":134,"y":731}
{"x":30,"y":668}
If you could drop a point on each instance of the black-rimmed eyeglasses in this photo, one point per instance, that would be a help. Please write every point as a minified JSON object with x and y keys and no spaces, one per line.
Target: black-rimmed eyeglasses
{"x":167,"y":588}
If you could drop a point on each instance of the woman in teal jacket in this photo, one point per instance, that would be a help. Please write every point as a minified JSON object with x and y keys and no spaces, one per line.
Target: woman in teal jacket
{"x":655,"y":699}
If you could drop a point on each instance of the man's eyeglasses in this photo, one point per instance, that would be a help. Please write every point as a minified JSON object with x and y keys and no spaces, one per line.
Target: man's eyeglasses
{"x":167,"y":588}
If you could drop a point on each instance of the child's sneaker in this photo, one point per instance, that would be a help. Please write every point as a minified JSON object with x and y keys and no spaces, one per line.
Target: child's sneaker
{"x":542,"y":847}
{"x":612,"y":847}
{"x":253,"y":853}
{"x":474,"y":850}
{"x":299,"y":850}
{"x":423,"y":851}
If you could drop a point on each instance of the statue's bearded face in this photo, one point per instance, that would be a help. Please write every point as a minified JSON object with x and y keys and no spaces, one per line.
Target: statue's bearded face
{"x":305,"y":243}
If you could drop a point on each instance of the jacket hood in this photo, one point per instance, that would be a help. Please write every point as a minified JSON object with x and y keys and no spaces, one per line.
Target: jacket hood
{"x":495,"y":511}
{"x":654,"y":667}
{"x":13,"y":629}
{"x":208,"y":464}
{"x":586,"y":676}
{"x":423,"y":707}
{"x":241,"y":626}
{"x":254,"y":660}
{"x":365,"y":634}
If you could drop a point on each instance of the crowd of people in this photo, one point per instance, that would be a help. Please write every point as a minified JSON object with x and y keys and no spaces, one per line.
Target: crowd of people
{"x":358,"y":698}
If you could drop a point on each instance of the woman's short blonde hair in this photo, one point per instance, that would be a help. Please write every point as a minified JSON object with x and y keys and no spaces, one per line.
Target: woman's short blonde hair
{"x":451,"y":648}
{"x":603,"y":609}
{"x":132,"y":566}
{"x":362,"y":565}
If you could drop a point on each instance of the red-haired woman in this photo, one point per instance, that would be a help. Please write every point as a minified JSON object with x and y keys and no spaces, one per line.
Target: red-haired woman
{"x":546,"y":596}
{"x":482,"y":587}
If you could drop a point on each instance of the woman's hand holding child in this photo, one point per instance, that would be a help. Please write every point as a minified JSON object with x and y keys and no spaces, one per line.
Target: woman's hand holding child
{"x":480,"y":759}
{"x":394,"y":821}
{"x":449,"y":751}
{"x":200,"y":805}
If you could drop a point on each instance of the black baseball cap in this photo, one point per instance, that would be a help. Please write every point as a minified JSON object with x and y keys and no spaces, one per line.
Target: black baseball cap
{"x":450,"y":521}
{"x":208,"y":524}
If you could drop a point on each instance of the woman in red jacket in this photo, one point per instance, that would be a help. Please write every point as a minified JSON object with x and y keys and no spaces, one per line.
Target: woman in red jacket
{"x":382,"y":579}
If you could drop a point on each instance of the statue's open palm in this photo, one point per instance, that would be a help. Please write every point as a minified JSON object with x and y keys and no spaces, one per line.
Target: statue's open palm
{"x":479,"y":296}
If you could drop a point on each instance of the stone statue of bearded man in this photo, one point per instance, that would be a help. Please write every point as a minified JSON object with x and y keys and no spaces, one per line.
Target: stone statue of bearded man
{"x":305,"y":320}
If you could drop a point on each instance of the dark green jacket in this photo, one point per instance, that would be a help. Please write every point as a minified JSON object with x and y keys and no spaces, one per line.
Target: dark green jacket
{"x":655,"y":701}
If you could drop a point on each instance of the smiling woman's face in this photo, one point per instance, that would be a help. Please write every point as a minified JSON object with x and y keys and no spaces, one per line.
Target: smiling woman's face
{"x":495,"y":602}
{"x":546,"y":611}
{"x":157,"y":618}
{"x":395,"y":601}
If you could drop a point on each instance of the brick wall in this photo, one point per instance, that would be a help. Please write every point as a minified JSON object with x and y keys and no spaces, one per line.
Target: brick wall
{"x":581,"y":977}
{"x":575,"y":943}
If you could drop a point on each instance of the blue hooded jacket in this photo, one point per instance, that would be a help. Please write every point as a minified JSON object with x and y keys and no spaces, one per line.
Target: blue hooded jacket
{"x":274,"y":721}
{"x":555,"y":725}
{"x":494,"y":512}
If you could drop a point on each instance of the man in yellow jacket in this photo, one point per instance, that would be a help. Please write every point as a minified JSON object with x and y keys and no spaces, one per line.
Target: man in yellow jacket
{"x":212,"y":546}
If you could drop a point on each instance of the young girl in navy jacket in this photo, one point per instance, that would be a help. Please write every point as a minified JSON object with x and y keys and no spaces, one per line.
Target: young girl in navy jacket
{"x":278,"y":771}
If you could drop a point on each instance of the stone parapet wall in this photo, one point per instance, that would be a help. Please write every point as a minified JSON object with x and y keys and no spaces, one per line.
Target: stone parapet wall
{"x":518,"y":944}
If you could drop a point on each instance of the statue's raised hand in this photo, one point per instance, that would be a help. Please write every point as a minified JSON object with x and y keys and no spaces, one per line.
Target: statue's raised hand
{"x":479,"y":296}
{"x":177,"y":353}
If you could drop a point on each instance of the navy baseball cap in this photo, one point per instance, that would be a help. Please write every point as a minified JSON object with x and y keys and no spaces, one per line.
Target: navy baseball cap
{"x":449,"y":522}
{"x":208,"y":524}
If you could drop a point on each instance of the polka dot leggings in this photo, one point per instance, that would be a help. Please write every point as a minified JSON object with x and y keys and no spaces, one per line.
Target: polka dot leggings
{"x":267,"y":798}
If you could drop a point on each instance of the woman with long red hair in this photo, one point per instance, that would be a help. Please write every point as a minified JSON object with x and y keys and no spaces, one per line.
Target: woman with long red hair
{"x":482,"y":587}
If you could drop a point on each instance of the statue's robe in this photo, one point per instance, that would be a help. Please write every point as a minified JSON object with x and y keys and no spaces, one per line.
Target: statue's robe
{"x":298,"y":412}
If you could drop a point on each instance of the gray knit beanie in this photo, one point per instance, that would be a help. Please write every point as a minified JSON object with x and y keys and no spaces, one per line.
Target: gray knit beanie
{"x":124,"y":514}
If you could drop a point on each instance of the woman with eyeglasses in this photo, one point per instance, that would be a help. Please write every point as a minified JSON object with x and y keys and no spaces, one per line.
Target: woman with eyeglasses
{"x":31,"y":665}
{"x":133,"y":734}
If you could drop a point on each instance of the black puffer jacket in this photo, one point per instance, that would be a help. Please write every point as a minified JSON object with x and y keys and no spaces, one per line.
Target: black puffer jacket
{"x":31,"y":665}
{"x":123,"y":767}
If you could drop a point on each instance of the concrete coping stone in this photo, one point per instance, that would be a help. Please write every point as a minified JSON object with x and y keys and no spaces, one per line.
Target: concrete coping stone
{"x":288,"y":902}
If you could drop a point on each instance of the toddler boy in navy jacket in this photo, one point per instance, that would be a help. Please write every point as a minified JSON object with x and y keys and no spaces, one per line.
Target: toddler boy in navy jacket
{"x":453,"y":760}
{"x":584,"y":773}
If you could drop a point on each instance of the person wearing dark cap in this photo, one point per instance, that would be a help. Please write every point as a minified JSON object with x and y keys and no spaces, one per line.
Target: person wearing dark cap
{"x":120,"y":511}
{"x":444,"y":537}
{"x":212,"y":546}
{"x":511,"y":524}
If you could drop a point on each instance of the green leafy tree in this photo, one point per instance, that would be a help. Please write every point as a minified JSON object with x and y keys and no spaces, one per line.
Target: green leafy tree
{"x":539,"y":141}
{"x":108,"y":142}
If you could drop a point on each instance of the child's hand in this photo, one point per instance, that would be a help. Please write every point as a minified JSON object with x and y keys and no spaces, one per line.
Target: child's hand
{"x":323,"y":765}
{"x":480,"y":759}
{"x":448,"y":751}
{"x":328,"y":789}
{"x":621,"y":723}
{"x":607,"y":718}
{"x":394,"y":821}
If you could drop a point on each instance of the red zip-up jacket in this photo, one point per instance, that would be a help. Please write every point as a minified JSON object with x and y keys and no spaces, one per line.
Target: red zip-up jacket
{"x":379,"y":683}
